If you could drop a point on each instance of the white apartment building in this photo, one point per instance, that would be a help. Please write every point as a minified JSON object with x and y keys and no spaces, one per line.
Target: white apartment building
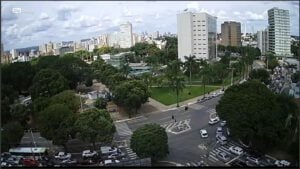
{"x":263,"y":41}
{"x":197,"y":35}
{"x":125,"y":35}
{"x":279,"y":32}
{"x":14,"y":54}
{"x":113,"y":39}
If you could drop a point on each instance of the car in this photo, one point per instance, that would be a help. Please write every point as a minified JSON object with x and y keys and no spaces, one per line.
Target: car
{"x":69,"y":162}
{"x":223,"y":123}
{"x":236,"y":150}
{"x":214,"y":94}
{"x":108,"y":162}
{"x":219,"y":130}
{"x":203,"y":133}
{"x":253,"y":159}
{"x":14,"y":160}
{"x":28,"y":162}
{"x":203,"y":99}
{"x":282,"y":163}
{"x":89,"y":153}
{"x":221,"y":139}
{"x":62,"y":156}
{"x":223,"y":156}
{"x":213,"y":120}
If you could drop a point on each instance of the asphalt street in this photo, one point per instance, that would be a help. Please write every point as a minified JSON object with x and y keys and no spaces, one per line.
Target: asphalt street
{"x":186,"y":147}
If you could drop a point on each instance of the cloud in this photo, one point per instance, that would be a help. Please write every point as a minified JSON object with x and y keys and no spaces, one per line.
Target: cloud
{"x":251,"y":16}
{"x":65,"y":12}
{"x":157,"y":16}
{"x":193,"y":5}
{"x":106,"y":18}
{"x":236,"y":13}
{"x":7,"y":15}
{"x":139,"y":20}
{"x":83,"y":21}
{"x":44,"y":16}
{"x":127,"y":13}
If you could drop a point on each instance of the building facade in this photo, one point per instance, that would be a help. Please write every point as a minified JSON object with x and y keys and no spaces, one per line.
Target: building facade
{"x":279,"y":32}
{"x":231,"y":33}
{"x":263,"y":41}
{"x":125,"y":35}
{"x":197,"y":35}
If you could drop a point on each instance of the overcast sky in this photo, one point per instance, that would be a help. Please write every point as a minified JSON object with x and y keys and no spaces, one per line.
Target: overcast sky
{"x":41,"y":22}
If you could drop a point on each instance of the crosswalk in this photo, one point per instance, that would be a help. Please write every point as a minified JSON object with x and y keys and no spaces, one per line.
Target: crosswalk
{"x":196,"y":163}
{"x":132,"y":155}
{"x":196,"y":106}
{"x":123,"y":129}
{"x":211,"y":111}
{"x":223,"y":148}
{"x":169,"y":125}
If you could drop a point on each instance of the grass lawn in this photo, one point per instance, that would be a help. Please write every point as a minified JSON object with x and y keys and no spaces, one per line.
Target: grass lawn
{"x":167,"y":96}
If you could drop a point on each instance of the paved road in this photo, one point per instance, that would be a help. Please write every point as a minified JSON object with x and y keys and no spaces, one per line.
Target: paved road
{"x":183,"y":135}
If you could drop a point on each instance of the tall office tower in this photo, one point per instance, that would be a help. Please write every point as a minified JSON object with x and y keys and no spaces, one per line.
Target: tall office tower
{"x":263,"y":41}
{"x":155,"y":35}
{"x":125,"y":35}
{"x":14,"y":54}
{"x":279,"y":32}
{"x":197,"y":35}
{"x":113,"y":39}
{"x":231,"y":33}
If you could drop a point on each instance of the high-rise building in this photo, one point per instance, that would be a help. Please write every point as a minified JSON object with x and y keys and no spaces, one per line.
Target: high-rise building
{"x":231,"y":33}
{"x":125,"y":35}
{"x":14,"y":54}
{"x":113,"y":39}
{"x":263,"y":41}
{"x":279,"y":32}
{"x":197,"y":35}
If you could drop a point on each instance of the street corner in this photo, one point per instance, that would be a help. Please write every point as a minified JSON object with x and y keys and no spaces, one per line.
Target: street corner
{"x":180,"y":127}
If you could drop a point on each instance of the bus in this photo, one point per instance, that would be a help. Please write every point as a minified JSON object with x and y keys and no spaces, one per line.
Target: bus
{"x":29,"y":151}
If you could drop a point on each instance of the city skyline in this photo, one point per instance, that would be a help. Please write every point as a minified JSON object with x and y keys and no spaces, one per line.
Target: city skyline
{"x":38,"y":23}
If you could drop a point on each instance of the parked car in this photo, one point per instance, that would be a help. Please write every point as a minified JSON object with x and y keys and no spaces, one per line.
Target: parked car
{"x":62,"y":156}
{"x":203,"y":133}
{"x":203,"y":99}
{"x":68,"y":162}
{"x":223,"y":156}
{"x":28,"y":162}
{"x":221,"y":139}
{"x":223,"y":123}
{"x":214,"y":94}
{"x":89,"y":153}
{"x":213,"y":120}
{"x":282,"y":163}
{"x":219,"y":130}
{"x":108,"y":162}
{"x":253,"y":159}
{"x":236,"y":150}
{"x":14,"y":160}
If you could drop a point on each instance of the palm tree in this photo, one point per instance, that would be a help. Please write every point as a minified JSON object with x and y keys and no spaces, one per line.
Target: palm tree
{"x":189,"y":63}
{"x":175,"y":77}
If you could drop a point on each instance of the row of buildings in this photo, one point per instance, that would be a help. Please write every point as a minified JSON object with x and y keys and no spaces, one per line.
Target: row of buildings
{"x":124,"y":38}
{"x":197,"y":34}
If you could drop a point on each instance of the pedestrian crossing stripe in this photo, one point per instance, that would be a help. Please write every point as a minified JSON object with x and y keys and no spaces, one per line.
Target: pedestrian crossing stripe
{"x":213,"y":158}
{"x":188,"y":164}
{"x":224,"y":150}
{"x":194,"y":164}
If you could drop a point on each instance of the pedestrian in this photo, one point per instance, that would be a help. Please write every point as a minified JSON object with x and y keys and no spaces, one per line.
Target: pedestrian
{"x":175,"y":120}
{"x":172,"y":117}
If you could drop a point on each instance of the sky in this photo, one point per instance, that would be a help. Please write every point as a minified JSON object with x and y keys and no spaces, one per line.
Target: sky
{"x":36,"y":22}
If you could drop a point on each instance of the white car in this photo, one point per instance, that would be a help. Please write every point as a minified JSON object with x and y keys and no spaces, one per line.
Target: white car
{"x":89,"y":153}
{"x":213,"y":120}
{"x":236,"y":150}
{"x":282,"y":163}
{"x":203,"y":133}
{"x":223,"y":123}
{"x":63,"y":156}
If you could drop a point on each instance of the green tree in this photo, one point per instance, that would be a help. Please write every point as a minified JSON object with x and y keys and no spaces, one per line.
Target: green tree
{"x":150,"y":140}
{"x":19,"y":75}
{"x":295,"y":48}
{"x":206,"y":74}
{"x":148,"y":79}
{"x":260,"y":74}
{"x":8,"y":96}
{"x":260,"y":121}
{"x":100,"y":103}
{"x":73,"y":69}
{"x":191,"y":64}
{"x":131,"y":94}
{"x":44,"y":62}
{"x":175,"y":77}
{"x":11,"y":135}
{"x":47,"y":83}
{"x":50,"y":119}
{"x":67,"y":98}
{"x":95,"y":125}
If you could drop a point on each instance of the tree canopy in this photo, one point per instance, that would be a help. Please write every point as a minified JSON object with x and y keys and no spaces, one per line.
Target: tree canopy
{"x":67,"y":98}
{"x":100,"y":103}
{"x":95,"y":125}
{"x":11,"y":135}
{"x":150,"y":140}
{"x":260,"y":74}
{"x":50,"y":120}
{"x":131,"y":94}
{"x":47,"y":83}
{"x":254,"y":114}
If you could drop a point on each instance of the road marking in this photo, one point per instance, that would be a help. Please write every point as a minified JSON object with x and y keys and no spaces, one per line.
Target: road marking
{"x":232,"y":160}
{"x":224,"y":149}
{"x":194,"y":164}
{"x":213,"y":157}
{"x":188,"y":164}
